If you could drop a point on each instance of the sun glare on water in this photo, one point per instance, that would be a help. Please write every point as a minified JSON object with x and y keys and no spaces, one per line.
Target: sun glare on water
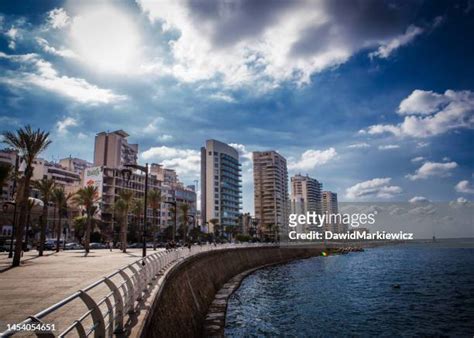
{"x":106,"y":39}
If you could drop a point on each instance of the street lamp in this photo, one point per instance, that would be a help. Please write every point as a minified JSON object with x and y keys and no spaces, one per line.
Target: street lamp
{"x":127,"y":173}
{"x":173,"y":203}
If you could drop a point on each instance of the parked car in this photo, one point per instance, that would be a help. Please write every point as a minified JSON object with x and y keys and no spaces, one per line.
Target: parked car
{"x":95,"y":245}
{"x":74,"y":246}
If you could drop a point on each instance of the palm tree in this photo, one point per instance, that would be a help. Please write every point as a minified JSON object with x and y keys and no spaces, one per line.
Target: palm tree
{"x":86,"y":198}
{"x":68,"y":198}
{"x":122,"y":206}
{"x":59,"y":198}
{"x":45,"y":186}
{"x":184,"y":208}
{"x":154,"y":202}
{"x":137,"y":211}
{"x":29,"y":143}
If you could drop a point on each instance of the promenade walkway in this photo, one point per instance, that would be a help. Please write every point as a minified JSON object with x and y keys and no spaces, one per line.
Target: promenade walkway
{"x":43,"y":281}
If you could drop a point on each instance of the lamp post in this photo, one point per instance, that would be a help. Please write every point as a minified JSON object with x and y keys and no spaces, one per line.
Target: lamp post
{"x":173,"y":203}
{"x":143,"y":169}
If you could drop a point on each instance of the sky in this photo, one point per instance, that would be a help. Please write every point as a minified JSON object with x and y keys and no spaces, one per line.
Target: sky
{"x":372,"y":98}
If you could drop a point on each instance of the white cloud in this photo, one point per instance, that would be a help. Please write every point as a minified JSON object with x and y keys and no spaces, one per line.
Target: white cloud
{"x":312,"y":158}
{"x":422,"y":144}
{"x":459,"y":202}
{"x":244,"y":154}
{"x":63,"y":52}
{"x":433,"y":169}
{"x":41,"y":73}
{"x":64,"y":124}
{"x":186,"y":162}
{"x":165,"y":137}
{"x":107,"y":38}
{"x":422,"y":102}
{"x":418,"y":159}
{"x":429,"y":114}
{"x":247,"y":41}
{"x":377,"y":187}
{"x":390,"y":46}
{"x":222,"y":97}
{"x":464,"y":187}
{"x":418,"y":199}
{"x":13,"y":34}
{"x":152,"y":127}
{"x":58,"y":18}
{"x":389,"y":147}
{"x":359,"y":145}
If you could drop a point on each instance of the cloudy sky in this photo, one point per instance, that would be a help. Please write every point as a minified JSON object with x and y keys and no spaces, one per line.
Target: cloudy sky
{"x":373,"y":98}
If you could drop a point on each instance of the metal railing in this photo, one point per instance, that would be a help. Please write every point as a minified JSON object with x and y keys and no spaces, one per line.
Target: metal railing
{"x":107,"y":310}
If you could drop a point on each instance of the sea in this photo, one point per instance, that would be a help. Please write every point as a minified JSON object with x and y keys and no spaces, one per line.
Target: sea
{"x":417,"y":289}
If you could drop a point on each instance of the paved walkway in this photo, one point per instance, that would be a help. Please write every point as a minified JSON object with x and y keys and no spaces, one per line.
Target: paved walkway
{"x":43,"y":281}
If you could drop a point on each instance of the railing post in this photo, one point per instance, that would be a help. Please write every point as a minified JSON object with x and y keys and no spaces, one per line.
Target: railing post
{"x":97,"y":318}
{"x":118,"y":311}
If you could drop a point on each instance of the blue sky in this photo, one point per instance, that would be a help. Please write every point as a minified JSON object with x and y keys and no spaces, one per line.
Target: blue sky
{"x":373,"y":98}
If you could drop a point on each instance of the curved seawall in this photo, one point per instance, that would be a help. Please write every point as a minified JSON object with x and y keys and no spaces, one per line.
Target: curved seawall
{"x":180,"y":306}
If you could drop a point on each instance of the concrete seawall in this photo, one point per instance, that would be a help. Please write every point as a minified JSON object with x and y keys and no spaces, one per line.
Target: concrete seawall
{"x":180,"y":306}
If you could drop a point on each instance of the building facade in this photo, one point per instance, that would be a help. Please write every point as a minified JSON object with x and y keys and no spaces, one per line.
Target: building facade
{"x":8,"y":157}
{"x":330,"y":206}
{"x":75,"y":164}
{"x":306,"y":195}
{"x":69,"y":180}
{"x":270,"y":191}
{"x":112,"y":150}
{"x":307,"y":191}
{"x":220,"y":185}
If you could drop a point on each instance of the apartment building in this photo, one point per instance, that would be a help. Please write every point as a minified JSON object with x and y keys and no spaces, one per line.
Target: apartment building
{"x":112,"y":150}
{"x":306,"y":195}
{"x":330,"y":206}
{"x":75,"y":164}
{"x":69,"y":180}
{"x":270,"y":191}
{"x":8,"y":157}
{"x":220,"y":185}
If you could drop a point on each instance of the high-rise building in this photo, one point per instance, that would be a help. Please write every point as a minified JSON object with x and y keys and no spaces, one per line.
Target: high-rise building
{"x":270,"y":191}
{"x":305,"y":195}
{"x":330,"y":206}
{"x":306,"y":191}
{"x":220,"y":184}
{"x":330,"y":202}
{"x":75,"y":164}
{"x":112,"y":150}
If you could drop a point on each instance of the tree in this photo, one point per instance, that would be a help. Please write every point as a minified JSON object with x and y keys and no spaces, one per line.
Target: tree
{"x":137,"y":211}
{"x":59,"y":199}
{"x":86,"y":198}
{"x":184,"y":208}
{"x":215,"y":226}
{"x":45,"y":186}
{"x":154,"y":202}
{"x":122,"y":207}
{"x":29,"y":143}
